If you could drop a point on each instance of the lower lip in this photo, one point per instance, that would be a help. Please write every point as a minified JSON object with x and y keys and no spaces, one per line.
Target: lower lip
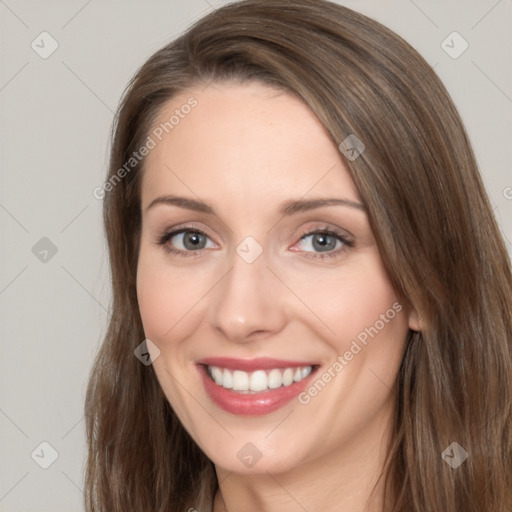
{"x":251,"y":404}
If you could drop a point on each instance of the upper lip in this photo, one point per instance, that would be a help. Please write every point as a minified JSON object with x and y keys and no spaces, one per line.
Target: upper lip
{"x":259,"y":363}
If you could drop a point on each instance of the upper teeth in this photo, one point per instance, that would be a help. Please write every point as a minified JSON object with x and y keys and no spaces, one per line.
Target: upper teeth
{"x":259,"y":380}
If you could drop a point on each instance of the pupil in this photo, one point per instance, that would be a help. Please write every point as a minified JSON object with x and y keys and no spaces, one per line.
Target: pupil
{"x":324,"y":242}
{"x":193,"y":240}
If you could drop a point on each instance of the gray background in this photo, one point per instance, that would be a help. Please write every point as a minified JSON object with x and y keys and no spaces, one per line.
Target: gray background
{"x":55,"y":117}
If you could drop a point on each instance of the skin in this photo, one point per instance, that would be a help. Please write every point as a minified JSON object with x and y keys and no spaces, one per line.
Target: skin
{"x":244,"y":150}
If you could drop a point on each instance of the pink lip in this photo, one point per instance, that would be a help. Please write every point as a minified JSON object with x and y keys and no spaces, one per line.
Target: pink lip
{"x":253,"y":404}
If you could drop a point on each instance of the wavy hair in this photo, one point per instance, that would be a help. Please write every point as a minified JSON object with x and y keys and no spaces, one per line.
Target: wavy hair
{"x":433,"y":224}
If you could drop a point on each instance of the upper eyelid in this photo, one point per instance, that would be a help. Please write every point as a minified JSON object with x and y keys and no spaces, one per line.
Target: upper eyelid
{"x":311,"y":231}
{"x":345,"y":237}
{"x":180,"y":229}
{"x":323,"y":228}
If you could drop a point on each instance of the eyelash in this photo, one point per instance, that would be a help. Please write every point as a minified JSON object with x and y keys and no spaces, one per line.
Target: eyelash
{"x":163,"y":239}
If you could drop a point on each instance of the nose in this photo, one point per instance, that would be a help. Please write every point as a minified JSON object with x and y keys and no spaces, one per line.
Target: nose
{"x":248,"y":303}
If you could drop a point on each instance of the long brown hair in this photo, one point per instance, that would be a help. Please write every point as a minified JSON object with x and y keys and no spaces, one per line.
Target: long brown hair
{"x":433,"y":223}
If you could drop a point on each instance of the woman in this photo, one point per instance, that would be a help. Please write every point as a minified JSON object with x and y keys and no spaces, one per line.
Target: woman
{"x":301,"y":245}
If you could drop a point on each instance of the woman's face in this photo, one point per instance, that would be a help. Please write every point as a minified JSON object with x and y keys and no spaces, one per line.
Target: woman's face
{"x":259,"y":280}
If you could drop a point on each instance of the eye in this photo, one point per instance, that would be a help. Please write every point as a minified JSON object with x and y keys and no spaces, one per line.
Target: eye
{"x":323,"y":243}
{"x":320,"y":242}
{"x":185,"y":241}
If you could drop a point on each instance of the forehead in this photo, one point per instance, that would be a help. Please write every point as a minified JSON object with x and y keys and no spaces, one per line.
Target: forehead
{"x":246,"y":142}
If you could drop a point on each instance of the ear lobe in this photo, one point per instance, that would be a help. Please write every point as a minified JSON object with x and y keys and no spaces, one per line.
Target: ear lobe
{"x":414,"y":320}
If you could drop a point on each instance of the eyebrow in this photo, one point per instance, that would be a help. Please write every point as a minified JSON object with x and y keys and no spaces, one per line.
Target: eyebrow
{"x":287,"y":208}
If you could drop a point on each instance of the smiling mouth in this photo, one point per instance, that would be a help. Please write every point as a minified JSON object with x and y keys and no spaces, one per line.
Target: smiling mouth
{"x":253,"y":387}
{"x":259,"y":380}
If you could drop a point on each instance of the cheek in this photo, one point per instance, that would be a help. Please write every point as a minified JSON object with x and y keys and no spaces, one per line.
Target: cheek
{"x":367,"y":327}
{"x":169,"y":297}
{"x":353,"y":302}
{"x":367,"y":308}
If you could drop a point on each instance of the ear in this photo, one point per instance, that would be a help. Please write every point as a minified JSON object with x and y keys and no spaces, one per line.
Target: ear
{"x":414,"y":320}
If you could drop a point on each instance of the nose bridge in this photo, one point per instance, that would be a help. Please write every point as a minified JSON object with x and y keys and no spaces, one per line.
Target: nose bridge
{"x":244,"y":302}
